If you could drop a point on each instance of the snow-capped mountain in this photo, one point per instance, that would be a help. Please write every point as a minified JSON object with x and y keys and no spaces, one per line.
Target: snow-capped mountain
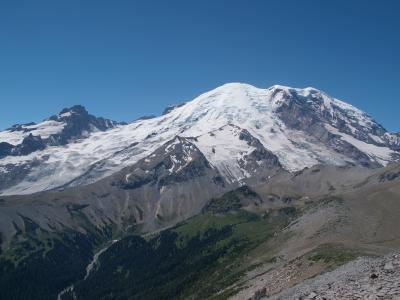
{"x":70,"y":124}
{"x":240,"y":129}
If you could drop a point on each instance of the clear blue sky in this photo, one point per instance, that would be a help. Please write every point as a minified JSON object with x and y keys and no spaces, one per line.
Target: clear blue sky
{"x":124,"y":59}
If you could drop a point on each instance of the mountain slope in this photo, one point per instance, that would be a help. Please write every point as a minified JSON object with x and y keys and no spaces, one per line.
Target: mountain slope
{"x":258,"y":241}
{"x":241,"y":234}
{"x":161,"y":189}
{"x":301,"y":127}
{"x":54,"y":234}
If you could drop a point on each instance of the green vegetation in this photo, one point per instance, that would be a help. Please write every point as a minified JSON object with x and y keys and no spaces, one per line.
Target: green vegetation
{"x":194,"y":260}
{"x":231,"y":200}
{"x":40,"y":268}
{"x":39,"y":264}
{"x":334,"y":253}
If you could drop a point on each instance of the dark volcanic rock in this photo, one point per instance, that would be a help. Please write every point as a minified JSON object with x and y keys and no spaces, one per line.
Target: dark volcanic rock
{"x":5,"y":149}
{"x":305,"y":114}
{"x":259,"y":158}
{"x":168,"y":109}
{"x":29,"y":144}
{"x":177,"y":161}
{"x":79,"y":123}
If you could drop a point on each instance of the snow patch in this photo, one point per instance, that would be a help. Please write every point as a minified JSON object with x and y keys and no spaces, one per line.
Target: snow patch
{"x":44,"y":130}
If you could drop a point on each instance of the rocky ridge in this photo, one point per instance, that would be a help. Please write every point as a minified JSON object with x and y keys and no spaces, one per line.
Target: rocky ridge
{"x":364,"y":278}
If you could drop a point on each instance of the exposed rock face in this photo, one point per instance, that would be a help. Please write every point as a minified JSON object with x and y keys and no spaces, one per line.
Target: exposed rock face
{"x":313,"y":112}
{"x":310,"y":111}
{"x":259,"y":161}
{"x":351,"y":151}
{"x":29,"y":144}
{"x":5,"y":149}
{"x":168,"y":109}
{"x":237,"y":154}
{"x":393,"y":139}
{"x":79,"y":123}
{"x":176,"y":161}
{"x":389,"y":176}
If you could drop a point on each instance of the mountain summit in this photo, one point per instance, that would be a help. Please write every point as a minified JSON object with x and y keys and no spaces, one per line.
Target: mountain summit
{"x":298,"y":127}
{"x":71,"y":123}
{"x":268,"y":187}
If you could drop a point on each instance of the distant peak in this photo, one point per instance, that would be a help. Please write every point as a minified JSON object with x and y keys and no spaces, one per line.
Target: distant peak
{"x":78,"y":109}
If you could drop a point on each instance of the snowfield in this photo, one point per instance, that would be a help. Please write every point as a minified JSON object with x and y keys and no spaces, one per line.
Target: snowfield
{"x":242,"y":105}
{"x":44,"y":129}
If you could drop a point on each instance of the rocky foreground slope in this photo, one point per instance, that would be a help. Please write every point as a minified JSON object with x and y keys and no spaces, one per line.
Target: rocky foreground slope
{"x":360,"y":220}
{"x":364,"y":278}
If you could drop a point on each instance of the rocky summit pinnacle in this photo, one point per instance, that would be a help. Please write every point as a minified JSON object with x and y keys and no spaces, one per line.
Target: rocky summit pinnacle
{"x":79,"y":109}
{"x":70,"y":124}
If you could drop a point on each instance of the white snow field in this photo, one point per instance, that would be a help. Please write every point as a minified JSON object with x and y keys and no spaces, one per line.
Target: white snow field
{"x":242,"y":105}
